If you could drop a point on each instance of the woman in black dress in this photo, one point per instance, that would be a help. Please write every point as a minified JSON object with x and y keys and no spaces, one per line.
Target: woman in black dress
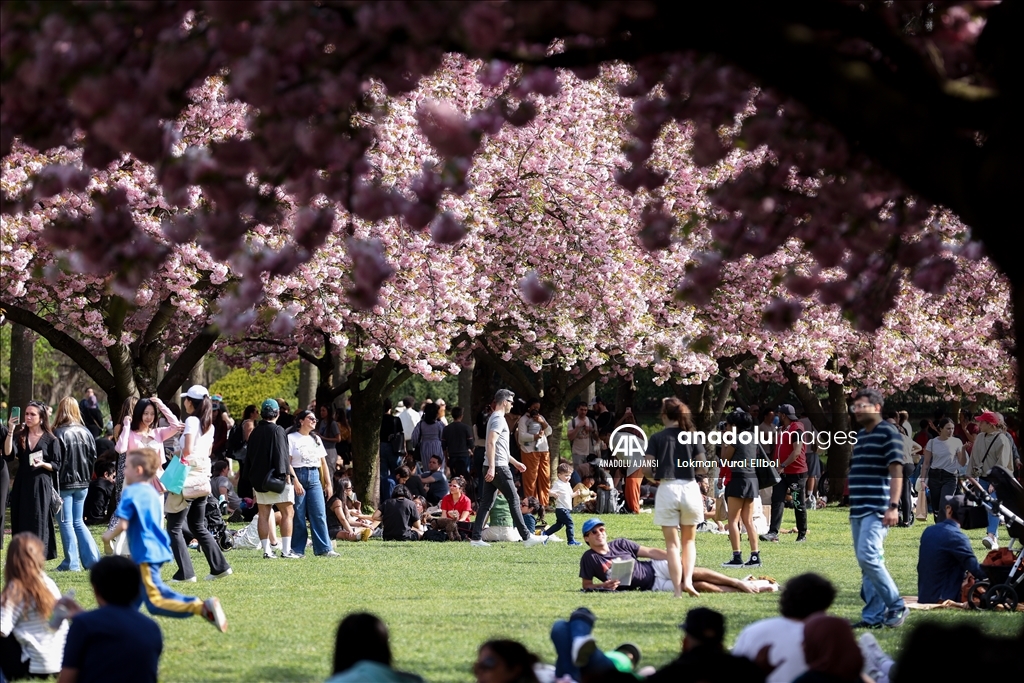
{"x":38,"y":453}
{"x":742,"y":487}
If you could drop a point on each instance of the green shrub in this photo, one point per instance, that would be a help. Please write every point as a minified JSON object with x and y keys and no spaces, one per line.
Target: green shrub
{"x":253,"y":385}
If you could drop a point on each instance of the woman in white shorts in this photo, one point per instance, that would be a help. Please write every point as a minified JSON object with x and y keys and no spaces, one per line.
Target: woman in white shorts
{"x":678,"y":505}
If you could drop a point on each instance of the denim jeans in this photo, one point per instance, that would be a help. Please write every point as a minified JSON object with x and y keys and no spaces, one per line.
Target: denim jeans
{"x":80,"y":549}
{"x":562,"y":519}
{"x":878,"y":590}
{"x":310,"y":505}
{"x":993,"y":520}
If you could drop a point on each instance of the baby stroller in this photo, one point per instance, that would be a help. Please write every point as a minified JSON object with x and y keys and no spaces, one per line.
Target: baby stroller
{"x":1005,"y":584}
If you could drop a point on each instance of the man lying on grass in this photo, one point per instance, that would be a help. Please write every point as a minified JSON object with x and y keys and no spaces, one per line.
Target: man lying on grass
{"x":596,"y":565}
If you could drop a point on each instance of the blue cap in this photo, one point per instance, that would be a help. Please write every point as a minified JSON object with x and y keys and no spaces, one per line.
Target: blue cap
{"x":270,"y":404}
{"x":590,"y":524}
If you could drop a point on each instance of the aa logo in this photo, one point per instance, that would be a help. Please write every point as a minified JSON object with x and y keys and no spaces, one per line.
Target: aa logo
{"x":628,"y":441}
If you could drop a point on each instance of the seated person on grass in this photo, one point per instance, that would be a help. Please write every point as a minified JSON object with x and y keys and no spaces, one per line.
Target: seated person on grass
{"x":114,"y":642}
{"x":499,"y":522}
{"x":399,"y":518}
{"x":405,"y":477}
{"x":435,"y":481}
{"x":97,"y":500}
{"x":944,"y":555}
{"x":340,"y":523}
{"x":596,"y":563}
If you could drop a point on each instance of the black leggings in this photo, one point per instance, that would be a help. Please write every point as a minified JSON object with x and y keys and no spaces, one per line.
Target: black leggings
{"x":940,"y":484}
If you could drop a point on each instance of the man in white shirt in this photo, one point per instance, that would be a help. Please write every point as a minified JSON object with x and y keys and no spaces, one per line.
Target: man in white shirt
{"x":802,"y":596}
{"x":582,"y":435}
{"x":410,"y":417}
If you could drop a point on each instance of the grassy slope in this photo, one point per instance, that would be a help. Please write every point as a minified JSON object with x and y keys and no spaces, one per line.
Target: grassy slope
{"x":441,"y":600}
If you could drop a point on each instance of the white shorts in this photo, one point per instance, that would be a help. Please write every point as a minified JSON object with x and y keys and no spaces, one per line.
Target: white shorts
{"x":662,"y":581}
{"x":271,"y":498}
{"x":678,"y":503}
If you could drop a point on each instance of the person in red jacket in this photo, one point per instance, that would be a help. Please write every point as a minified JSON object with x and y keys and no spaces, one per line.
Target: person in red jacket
{"x":790,"y":456}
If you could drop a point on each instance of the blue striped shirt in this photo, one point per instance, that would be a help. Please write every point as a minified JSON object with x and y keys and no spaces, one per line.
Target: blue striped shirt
{"x":869,"y":469}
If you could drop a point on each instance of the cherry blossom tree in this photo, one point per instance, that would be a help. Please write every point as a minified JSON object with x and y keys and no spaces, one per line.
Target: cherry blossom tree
{"x":870,"y":113}
{"x":87,"y":299}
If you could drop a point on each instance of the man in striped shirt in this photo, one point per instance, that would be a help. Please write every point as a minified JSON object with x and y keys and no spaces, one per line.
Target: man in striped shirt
{"x":876,"y":473}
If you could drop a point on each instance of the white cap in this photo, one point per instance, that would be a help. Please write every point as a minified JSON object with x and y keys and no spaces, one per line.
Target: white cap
{"x":197,"y":392}
{"x":440,"y":402}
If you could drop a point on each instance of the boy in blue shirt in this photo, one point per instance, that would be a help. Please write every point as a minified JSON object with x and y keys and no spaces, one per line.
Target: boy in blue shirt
{"x":140,"y":514}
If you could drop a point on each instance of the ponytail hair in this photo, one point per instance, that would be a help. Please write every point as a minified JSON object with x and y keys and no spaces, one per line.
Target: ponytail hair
{"x":678,"y":412}
{"x":203,"y":411}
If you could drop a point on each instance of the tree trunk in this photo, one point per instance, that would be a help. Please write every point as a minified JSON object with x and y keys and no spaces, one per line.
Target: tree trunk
{"x":838,"y":454}
{"x":367,"y":409}
{"x":589,"y":393}
{"x":483,"y":388}
{"x":307,"y":383}
{"x":625,"y":395}
{"x":339,"y":371}
{"x":466,"y":389}
{"x":22,"y":366}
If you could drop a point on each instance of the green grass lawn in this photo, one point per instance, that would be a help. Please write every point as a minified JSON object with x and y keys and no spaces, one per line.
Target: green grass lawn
{"x":442,"y":600}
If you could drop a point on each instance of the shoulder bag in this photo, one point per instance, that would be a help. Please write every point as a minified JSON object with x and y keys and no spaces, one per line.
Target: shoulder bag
{"x":274,"y":482}
{"x":767,"y":475}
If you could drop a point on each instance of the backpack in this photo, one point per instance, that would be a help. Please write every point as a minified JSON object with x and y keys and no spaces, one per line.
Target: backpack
{"x":236,"y":446}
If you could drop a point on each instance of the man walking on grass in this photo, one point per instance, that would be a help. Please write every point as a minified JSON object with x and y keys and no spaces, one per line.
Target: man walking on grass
{"x":498,"y":475}
{"x":876,"y":482}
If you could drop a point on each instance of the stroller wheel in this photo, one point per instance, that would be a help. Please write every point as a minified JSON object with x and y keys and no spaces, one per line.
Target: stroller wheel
{"x":977,"y":596}
{"x":1003,"y":595}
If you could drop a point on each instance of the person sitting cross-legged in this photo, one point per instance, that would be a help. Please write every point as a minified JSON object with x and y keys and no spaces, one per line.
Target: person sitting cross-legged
{"x":596,"y":564}
{"x":944,"y":555}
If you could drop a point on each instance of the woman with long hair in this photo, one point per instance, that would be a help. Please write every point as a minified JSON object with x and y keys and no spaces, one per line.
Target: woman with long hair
{"x":426,"y":436}
{"x":79,"y":455}
{"x":309,"y":460}
{"x":39,"y":457}
{"x":196,"y":447}
{"x":28,"y":647}
{"x":742,"y":488}
{"x":678,"y":505}
{"x":127,"y":410}
{"x":942,"y":459}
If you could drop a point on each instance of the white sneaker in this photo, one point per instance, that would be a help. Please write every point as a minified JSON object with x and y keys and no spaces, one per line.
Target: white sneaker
{"x":582,"y":648}
{"x":213,"y":577}
{"x":189,"y":580}
{"x":990,"y":543}
{"x":536,"y":540}
{"x":214,"y":613}
{"x":556,"y":539}
{"x":876,"y":663}
{"x":479,"y":544}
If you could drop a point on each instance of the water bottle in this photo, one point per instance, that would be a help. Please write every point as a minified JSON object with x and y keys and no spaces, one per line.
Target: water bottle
{"x":60,"y":611}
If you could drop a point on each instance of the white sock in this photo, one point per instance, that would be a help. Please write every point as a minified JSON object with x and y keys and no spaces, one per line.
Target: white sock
{"x":286,"y":545}
{"x":265,"y":542}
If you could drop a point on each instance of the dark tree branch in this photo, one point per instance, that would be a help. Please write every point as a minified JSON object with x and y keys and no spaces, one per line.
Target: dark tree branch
{"x":62,"y":342}
{"x":182,"y":366}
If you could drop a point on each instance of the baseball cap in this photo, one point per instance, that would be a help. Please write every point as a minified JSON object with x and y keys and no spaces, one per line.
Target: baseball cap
{"x":787,"y":410}
{"x":503,"y":395}
{"x":631,"y":650}
{"x":196,"y":392}
{"x":955,"y":502}
{"x":591,"y":524}
{"x":271,"y":405}
{"x":704,"y":624}
{"x":988,"y":416}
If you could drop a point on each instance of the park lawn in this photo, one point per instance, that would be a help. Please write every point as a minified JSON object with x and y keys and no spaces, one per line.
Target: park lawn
{"x":442,"y":600}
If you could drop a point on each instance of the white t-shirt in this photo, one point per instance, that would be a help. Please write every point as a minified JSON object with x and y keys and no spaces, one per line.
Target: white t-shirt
{"x":44,"y":648}
{"x":304,"y":450}
{"x":944,"y":454}
{"x":581,"y":444}
{"x":563,"y":491}
{"x":202,"y":446}
{"x":786,"y":637}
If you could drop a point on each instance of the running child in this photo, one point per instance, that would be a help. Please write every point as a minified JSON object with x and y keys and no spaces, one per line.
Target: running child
{"x":140,"y":512}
